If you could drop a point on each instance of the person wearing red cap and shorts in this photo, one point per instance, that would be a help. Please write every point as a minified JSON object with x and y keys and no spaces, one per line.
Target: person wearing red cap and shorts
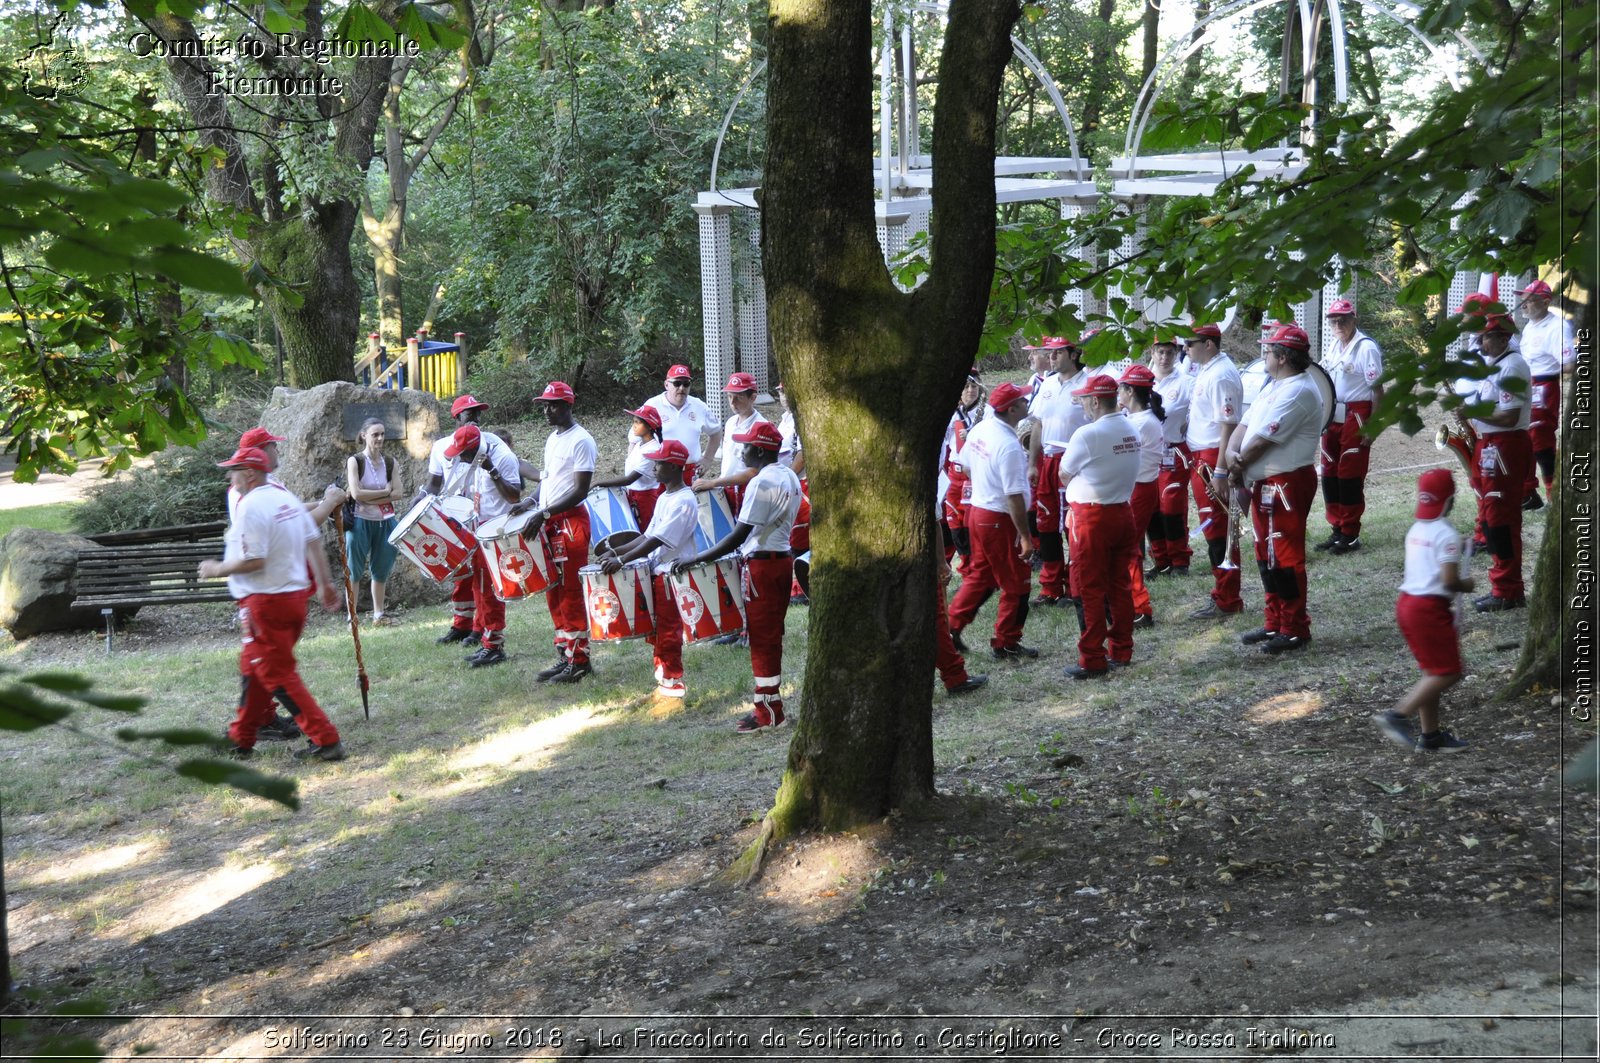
{"x":448,"y":477}
{"x":570,"y":456}
{"x":741,"y":392}
{"x":1501,"y":458}
{"x":1169,"y":527}
{"x":1215,"y":406}
{"x":494,"y":483}
{"x":638,"y":470}
{"x":1356,"y":366}
{"x":667,"y":540}
{"x":761,"y":536}
{"x":1059,"y":416}
{"x":1546,"y":342}
{"x":686,"y":418}
{"x":272,"y":554}
{"x":1433,"y":577}
{"x":997,"y":524}
{"x":1137,"y":397}
{"x":1098,"y":470}
{"x":1274,"y":454}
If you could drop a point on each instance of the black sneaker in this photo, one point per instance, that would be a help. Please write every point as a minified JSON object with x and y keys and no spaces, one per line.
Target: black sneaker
{"x":574,"y":671}
{"x":455,"y":634}
{"x":315,"y":752}
{"x":1015,"y":652}
{"x":1396,"y":728}
{"x":1260,"y":634}
{"x":1212,"y":611}
{"x":1531,"y":503}
{"x":1119,"y":664}
{"x":1348,"y":546}
{"x":1046,"y":599}
{"x":972,"y":683}
{"x":750,"y":723}
{"x":1078,"y":671}
{"x":240,"y":753}
{"x":281,"y":729}
{"x":1332,"y":542}
{"x":1157,"y":570}
{"x":1440,"y":742}
{"x":1179,"y":570}
{"x":554,"y":670}
{"x":1284,"y":643}
{"x":473,"y":638}
{"x":1144,"y":620}
{"x":955,"y":639}
{"x":727,"y":640}
{"x":487,"y":656}
{"x":1491,"y":603}
{"x":799,"y":599}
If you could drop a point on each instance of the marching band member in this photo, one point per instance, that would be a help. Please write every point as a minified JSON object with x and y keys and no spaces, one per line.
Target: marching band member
{"x":1059,"y":417}
{"x":741,"y":392}
{"x":494,"y":483}
{"x":1138,"y":399}
{"x":1355,"y":364}
{"x":1098,"y":470}
{"x":956,"y":491}
{"x":448,"y":478}
{"x":1169,"y":527}
{"x":685,"y":418}
{"x":1275,"y":454}
{"x":793,"y":457}
{"x":667,"y":540}
{"x":761,"y":536}
{"x":1215,"y":406}
{"x":272,"y":555}
{"x":998,"y":525}
{"x":1501,"y":458}
{"x":948,"y":660}
{"x":1547,"y":348}
{"x":570,"y":456}
{"x":638,"y":471}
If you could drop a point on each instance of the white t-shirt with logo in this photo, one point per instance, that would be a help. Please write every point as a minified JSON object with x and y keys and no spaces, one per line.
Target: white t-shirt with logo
{"x":1288,"y":412}
{"x":1547,"y":344}
{"x":771,"y":504}
{"x":1102,"y":461}
{"x":1062,"y":415}
{"x":1355,"y":367}
{"x":1495,"y":389}
{"x":566,"y":454}
{"x":673,"y":523}
{"x":1217,"y":399}
{"x":732,"y":451}
{"x":1152,"y":445}
{"x":996,"y":464}
{"x":636,"y":462}
{"x":1175,"y":390}
{"x":270,"y":523}
{"x":1429,"y":544}
{"x":686,"y":423}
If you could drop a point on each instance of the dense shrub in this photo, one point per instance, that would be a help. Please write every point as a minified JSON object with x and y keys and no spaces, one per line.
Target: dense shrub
{"x":509,"y":387}
{"x":181,"y":486}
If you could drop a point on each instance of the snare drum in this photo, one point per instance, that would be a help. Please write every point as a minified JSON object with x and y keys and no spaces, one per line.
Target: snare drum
{"x":619,"y":606}
{"x":609,"y":513}
{"x":518,"y":564}
{"x":437,"y":536}
{"x":716,"y":520}
{"x":710,"y":599}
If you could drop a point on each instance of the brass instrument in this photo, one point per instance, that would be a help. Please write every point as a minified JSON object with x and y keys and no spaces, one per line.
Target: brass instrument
{"x":1457,"y":435}
{"x":1233,"y":506}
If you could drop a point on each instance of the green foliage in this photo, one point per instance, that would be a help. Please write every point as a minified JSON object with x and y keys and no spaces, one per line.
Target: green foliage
{"x":182,"y":485}
{"x":509,"y":387}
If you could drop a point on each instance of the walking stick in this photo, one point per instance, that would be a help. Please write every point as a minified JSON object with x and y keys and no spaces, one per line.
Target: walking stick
{"x":350,"y":608}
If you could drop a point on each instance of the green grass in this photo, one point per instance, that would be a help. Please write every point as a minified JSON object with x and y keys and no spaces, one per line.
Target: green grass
{"x":55,"y":517}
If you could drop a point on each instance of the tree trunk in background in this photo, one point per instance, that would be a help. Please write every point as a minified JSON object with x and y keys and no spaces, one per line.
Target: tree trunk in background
{"x":383,"y":236}
{"x":1196,"y":64}
{"x":1100,"y":50}
{"x":1152,"y":39}
{"x":319,"y":328}
{"x":875,"y":372}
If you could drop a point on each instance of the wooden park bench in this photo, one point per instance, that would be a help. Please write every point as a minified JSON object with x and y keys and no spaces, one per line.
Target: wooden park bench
{"x":126,"y":571}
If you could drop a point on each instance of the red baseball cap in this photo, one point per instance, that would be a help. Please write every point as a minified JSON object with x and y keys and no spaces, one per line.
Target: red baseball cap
{"x":556,"y":391}
{"x":1137,"y":375}
{"x":1538,"y":289}
{"x":1476,"y":303}
{"x":465,"y":403}
{"x":670,"y":451}
{"x":1290,"y":335}
{"x":1099,"y":384}
{"x":1500,"y":323}
{"x":1210,"y":332}
{"x":1007,"y":395}
{"x":763,"y":434}
{"x":258,"y":437}
{"x":247,"y":458}
{"x":1435,"y":488}
{"x":740,"y":382}
{"x":1047,"y":343}
{"x":467,"y":437}
{"x":1341,"y":308}
{"x":648,"y":414}
{"x":679,"y":372}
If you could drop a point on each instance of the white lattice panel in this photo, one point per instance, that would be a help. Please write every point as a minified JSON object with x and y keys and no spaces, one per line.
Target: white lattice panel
{"x":1462,"y":285}
{"x":754,"y":348}
{"x":1077,"y":297}
{"x":716,"y":302}
{"x":1332,"y":291}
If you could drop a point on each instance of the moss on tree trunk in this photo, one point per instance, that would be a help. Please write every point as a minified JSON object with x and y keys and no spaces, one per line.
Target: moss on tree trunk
{"x":318,"y":314}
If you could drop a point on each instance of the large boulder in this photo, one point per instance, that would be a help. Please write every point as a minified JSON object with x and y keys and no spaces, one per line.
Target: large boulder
{"x":320,"y":426}
{"x":37,"y":572}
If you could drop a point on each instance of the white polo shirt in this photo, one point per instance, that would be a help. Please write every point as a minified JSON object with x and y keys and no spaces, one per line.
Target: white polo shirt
{"x":1288,"y":412}
{"x":1355,"y":367}
{"x":1494,"y":389}
{"x":687,"y":424}
{"x":997,"y":465}
{"x":1429,"y":544}
{"x":673,"y":524}
{"x":1217,"y":399}
{"x":1152,"y":444}
{"x":1175,"y":389}
{"x":1062,"y":416}
{"x":233,"y":496}
{"x":270,"y":523}
{"x":1102,"y":461}
{"x":456,"y":476}
{"x":771,"y":504}
{"x":732,"y":452}
{"x":486,"y":498}
{"x":566,"y":454}
{"x":1547,"y":344}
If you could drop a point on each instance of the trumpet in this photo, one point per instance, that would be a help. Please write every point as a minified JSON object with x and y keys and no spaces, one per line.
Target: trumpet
{"x":1234,"y":508}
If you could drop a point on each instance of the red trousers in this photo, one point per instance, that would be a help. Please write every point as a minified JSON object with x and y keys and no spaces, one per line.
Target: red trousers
{"x":1501,"y":461}
{"x":1055,"y":575}
{"x":644,"y":504}
{"x":1169,"y":527}
{"x":952,"y":666}
{"x":766,"y":604}
{"x":491,"y":611}
{"x":1226,"y":590}
{"x":668,"y":638}
{"x":994,"y":563}
{"x":272,"y":625}
{"x":1279,"y":506}
{"x":1346,"y":453}
{"x":1428,"y":623}
{"x":1542,"y":422}
{"x":462,"y":598}
{"x":800,"y":534}
{"x":1143,"y":505}
{"x":1102,"y":540}
{"x":568,"y":542}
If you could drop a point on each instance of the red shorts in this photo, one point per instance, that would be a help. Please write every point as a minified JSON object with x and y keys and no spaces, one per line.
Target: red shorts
{"x":1429,"y":624}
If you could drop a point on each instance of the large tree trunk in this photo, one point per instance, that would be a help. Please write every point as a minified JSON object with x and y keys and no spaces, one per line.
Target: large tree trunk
{"x":875,"y":373}
{"x":319,"y":325}
{"x":384,"y":235}
{"x":1152,"y":39}
{"x":1196,"y":64}
{"x":1100,"y":51}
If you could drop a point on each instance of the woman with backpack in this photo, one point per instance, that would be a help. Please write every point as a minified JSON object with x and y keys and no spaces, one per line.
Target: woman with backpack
{"x":370,"y":480}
